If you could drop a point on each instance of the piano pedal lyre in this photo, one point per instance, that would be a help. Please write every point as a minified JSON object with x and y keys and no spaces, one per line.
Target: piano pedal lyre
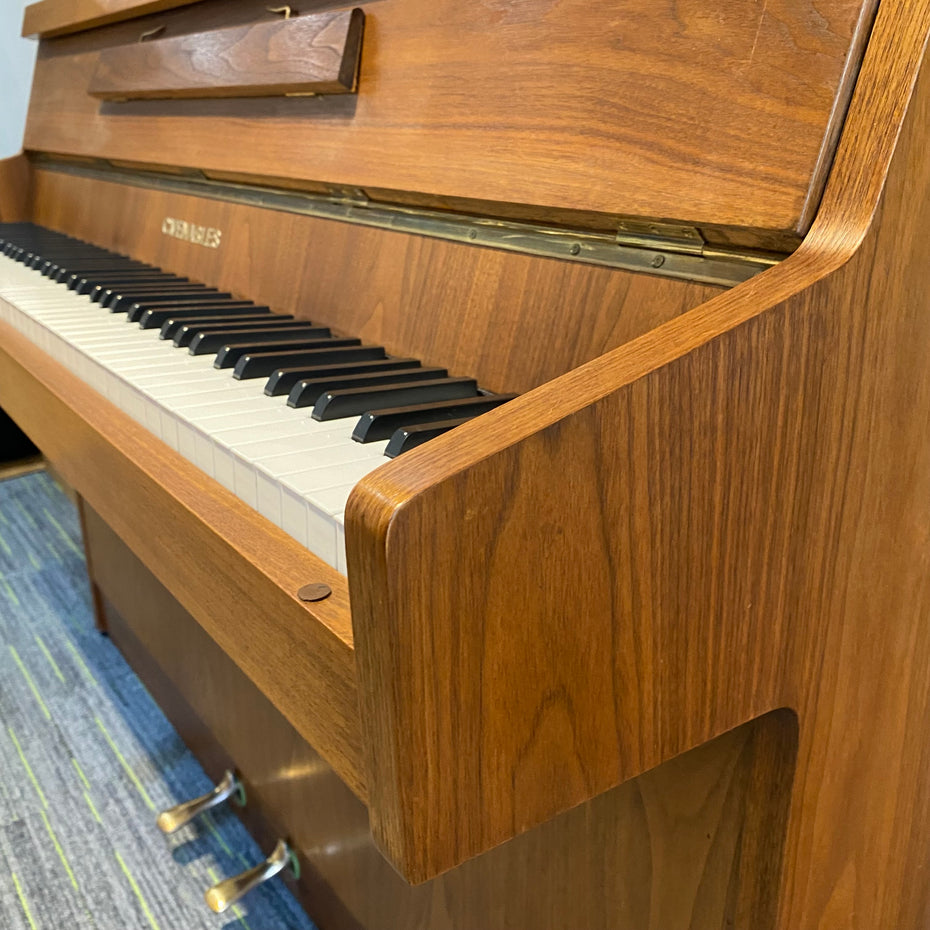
{"x":225,"y":893}
{"x":175,"y":817}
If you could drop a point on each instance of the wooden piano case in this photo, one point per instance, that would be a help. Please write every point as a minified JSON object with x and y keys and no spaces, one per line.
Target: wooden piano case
{"x":646,"y":647}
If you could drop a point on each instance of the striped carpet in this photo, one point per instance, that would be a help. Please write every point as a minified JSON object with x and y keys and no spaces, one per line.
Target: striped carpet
{"x":87,"y":759}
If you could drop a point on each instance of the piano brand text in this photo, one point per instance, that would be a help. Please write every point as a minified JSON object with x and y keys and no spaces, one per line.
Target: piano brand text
{"x":206,"y":236}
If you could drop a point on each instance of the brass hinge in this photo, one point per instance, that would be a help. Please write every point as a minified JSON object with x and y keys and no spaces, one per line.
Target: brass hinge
{"x":668,"y":237}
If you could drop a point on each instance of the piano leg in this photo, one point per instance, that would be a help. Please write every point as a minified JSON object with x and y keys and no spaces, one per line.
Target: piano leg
{"x":96,"y":597}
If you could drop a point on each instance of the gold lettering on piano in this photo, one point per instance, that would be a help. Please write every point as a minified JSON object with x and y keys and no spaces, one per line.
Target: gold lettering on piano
{"x":207,"y":236}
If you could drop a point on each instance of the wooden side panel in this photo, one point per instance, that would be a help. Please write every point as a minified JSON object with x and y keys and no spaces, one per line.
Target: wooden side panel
{"x":731,"y":515}
{"x":694,"y":845}
{"x":643,"y":108}
{"x":511,"y":321}
{"x":15,"y":189}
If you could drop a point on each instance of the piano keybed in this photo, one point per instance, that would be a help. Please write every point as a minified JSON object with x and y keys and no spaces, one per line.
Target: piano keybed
{"x":283,"y":413}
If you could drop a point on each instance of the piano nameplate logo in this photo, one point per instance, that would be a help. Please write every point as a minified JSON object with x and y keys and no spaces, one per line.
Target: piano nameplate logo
{"x":206,"y":236}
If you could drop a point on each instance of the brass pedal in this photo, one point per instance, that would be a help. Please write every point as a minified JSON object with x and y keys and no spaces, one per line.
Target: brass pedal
{"x":175,"y":817}
{"x":227,"y":892}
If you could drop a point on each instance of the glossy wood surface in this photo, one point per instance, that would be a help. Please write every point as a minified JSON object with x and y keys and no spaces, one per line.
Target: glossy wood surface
{"x":511,"y":321}
{"x":303,"y":56}
{"x":57,"y":17}
{"x":726,"y":516}
{"x":689,"y":846}
{"x":237,"y":574}
{"x":15,"y":189}
{"x":647,"y":109}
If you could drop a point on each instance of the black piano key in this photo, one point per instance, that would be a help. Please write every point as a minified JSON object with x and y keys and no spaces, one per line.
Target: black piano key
{"x":179,"y":302}
{"x":84,"y":283}
{"x":62,"y":269}
{"x":115,"y":272}
{"x":133,"y":292}
{"x":282,"y":380}
{"x":98,"y":292}
{"x":94,"y":265}
{"x":111,"y":273}
{"x":334,"y":405}
{"x":409,"y":437}
{"x":183,"y":329}
{"x":375,"y":426}
{"x":41,"y":255}
{"x":154,"y":317}
{"x":262,"y":364}
{"x":230,"y":354}
{"x":66,"y":246}
{"x":119,"y":300}
{"x":308,"y":391}
{"x":86,"y":269}
{"x":61,"y":272}
{"x":205,"y":343}
{"x":87,"y":285}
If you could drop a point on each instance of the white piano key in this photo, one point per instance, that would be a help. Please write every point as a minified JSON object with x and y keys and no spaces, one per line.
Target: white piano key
{"x":341,"y":544}
{"x":153,"y":419}
{"x":268,"y":497}
{"x":224,"y":442}
{"x":295,"y":471}
{"x":230,"y":407}
{"x":330,"y":457}
{"x":245,"y":482}
{"x":203,"y":381}
{"x":258,"y":449}
{"x":332,"y":501}
{"x":319,"y":484}
{"x":168,"y":430}
{"x":219,"y":396}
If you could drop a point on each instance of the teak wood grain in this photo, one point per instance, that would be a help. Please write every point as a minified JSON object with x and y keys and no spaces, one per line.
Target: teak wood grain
{"x":649,"y":109}
{"x":57,"y":17}
{"x":15,"y":189}
{"x":511,"y":321}
{"x":682,"y":848}
{"x":316,"y":54}
{"x":726,"y":516}
{"x":237,"y":574}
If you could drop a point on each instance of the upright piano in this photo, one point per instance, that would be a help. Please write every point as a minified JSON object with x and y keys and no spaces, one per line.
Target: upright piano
{"x":631,"y":629}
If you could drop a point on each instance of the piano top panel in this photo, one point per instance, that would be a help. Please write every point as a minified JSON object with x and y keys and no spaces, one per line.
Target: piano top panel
{"x":56,"y":17}
{"x":722,"y":115}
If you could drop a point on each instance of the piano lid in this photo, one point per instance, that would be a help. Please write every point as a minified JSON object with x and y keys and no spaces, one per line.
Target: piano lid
{"x":721,"y":116}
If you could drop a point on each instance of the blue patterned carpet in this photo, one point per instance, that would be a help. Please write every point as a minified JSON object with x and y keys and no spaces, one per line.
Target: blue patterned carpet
{"x":87,"y":759}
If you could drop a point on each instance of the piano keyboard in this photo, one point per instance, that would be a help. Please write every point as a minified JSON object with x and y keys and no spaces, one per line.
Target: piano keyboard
{"x":281,"y":412}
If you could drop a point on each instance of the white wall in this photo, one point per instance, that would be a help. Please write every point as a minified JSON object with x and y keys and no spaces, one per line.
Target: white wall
{"x":17,"y":57}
